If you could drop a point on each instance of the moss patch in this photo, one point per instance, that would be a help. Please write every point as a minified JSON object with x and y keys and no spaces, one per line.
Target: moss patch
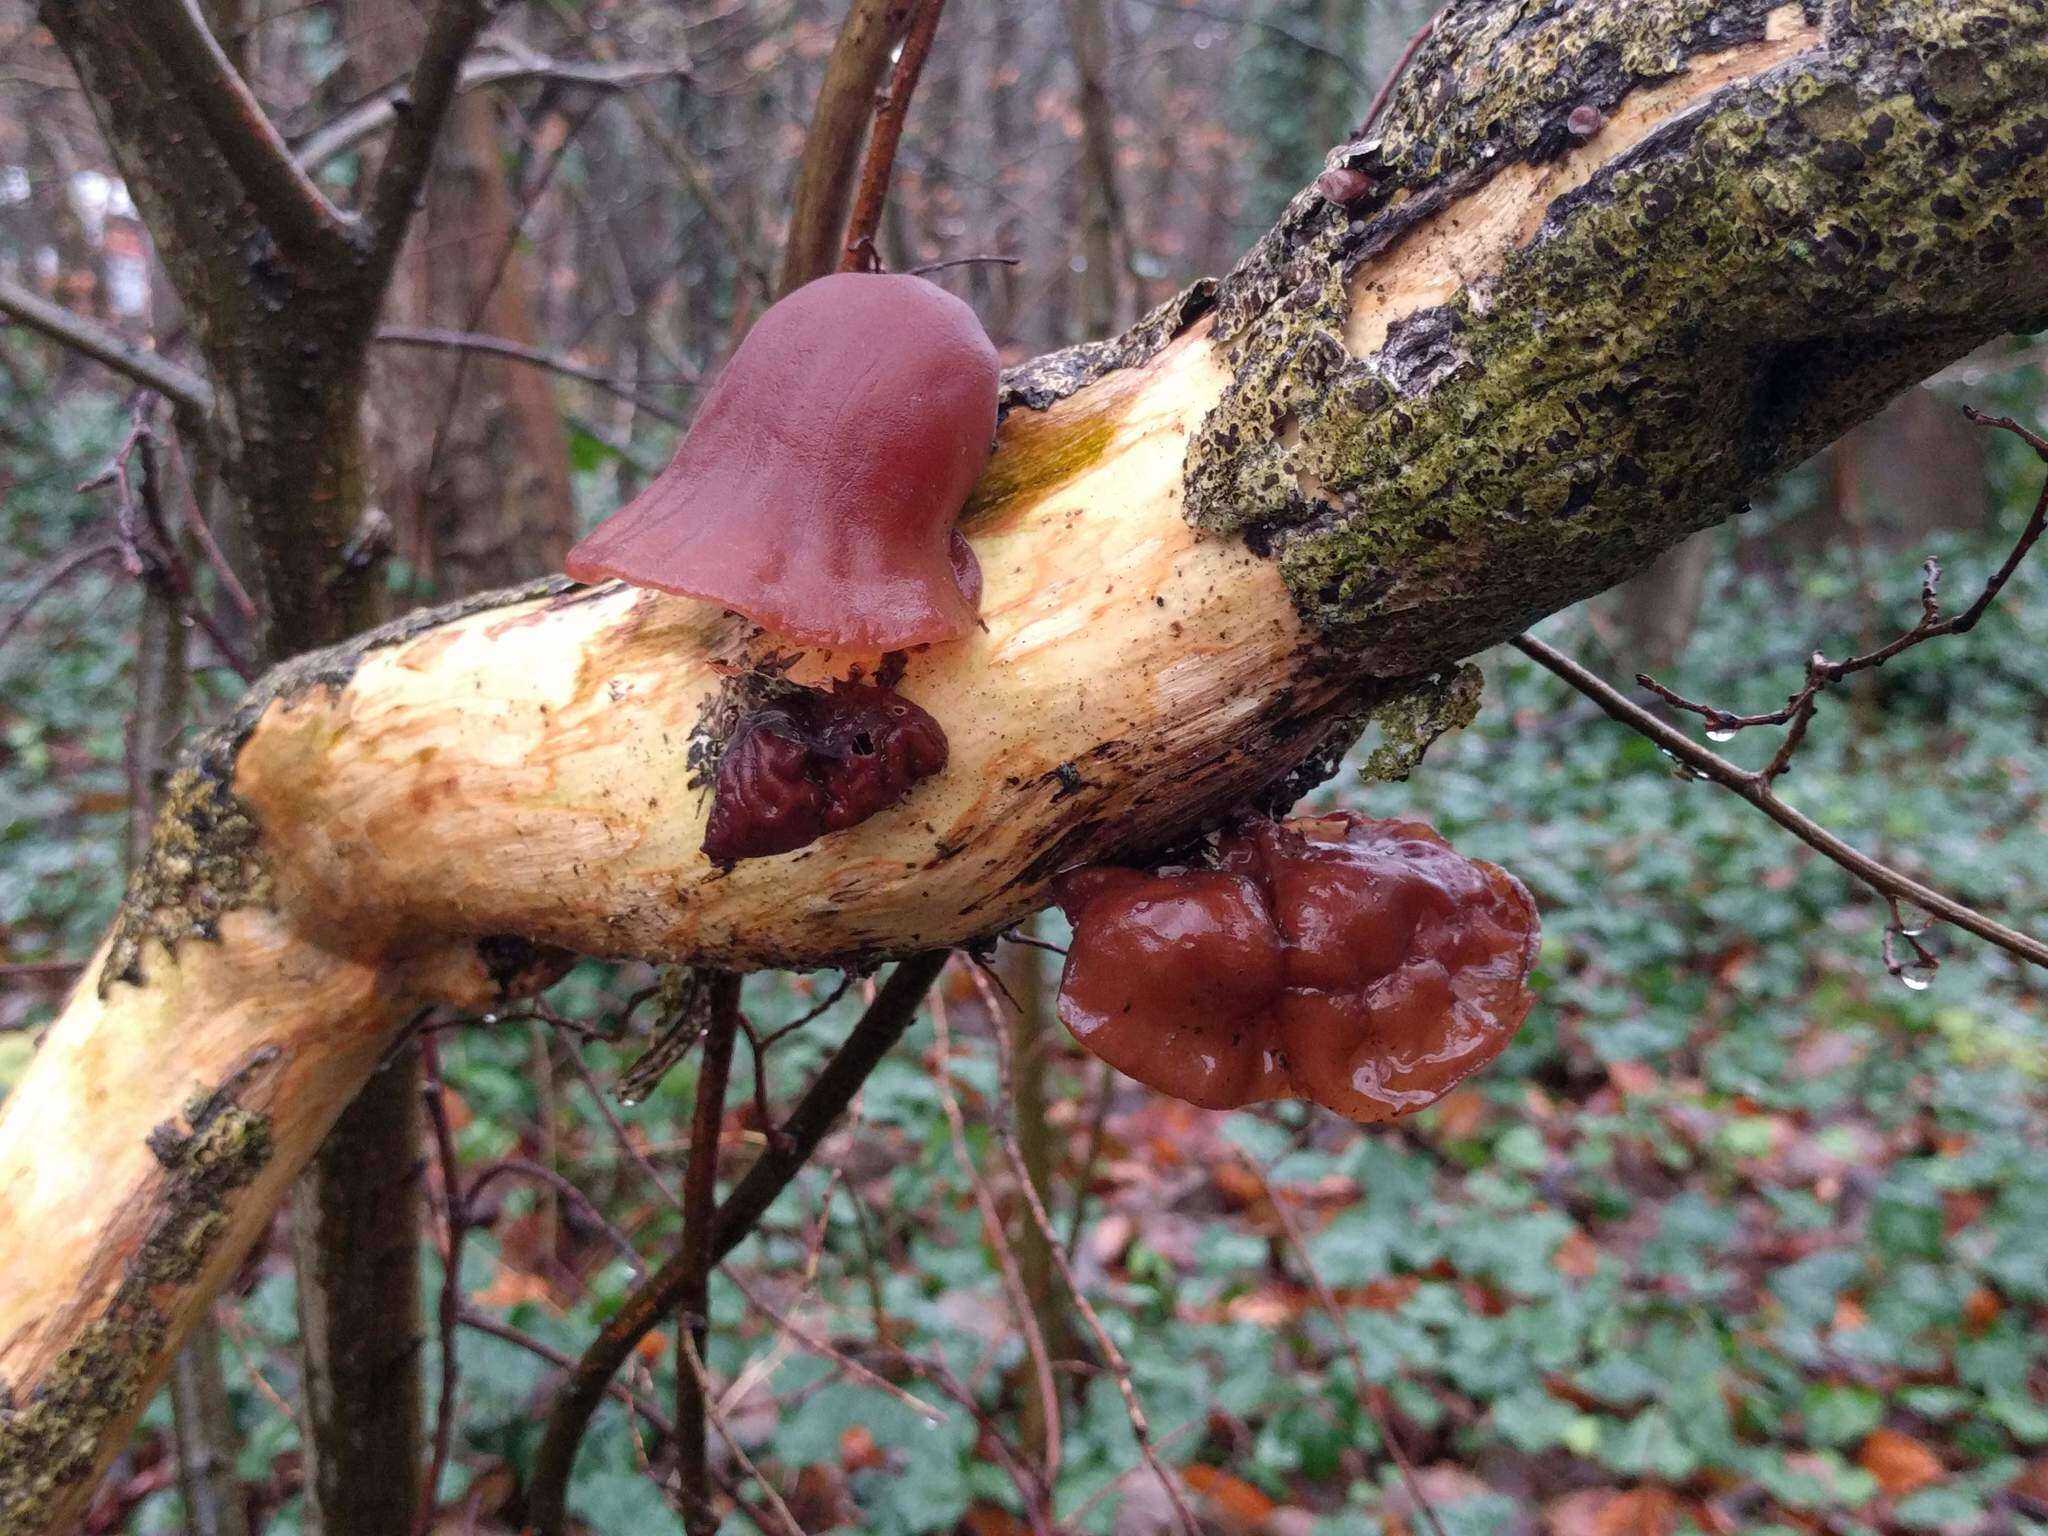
{"x":51,"y":1436}
{"x":204,"y":860}
{"x":1713,"y":305}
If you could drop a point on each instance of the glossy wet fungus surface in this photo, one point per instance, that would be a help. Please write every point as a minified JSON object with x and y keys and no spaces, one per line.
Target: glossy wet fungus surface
{"x":1363,"y":964}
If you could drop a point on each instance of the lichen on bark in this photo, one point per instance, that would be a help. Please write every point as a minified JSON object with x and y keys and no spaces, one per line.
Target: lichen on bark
{"x":205,"y":859}
{"x":1716,"y":302}
{"x":51,"y":1439}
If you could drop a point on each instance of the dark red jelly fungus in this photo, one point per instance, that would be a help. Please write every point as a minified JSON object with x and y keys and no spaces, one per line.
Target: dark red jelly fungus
{"x":1344,"y":185}
{"x":1585,"y":121}
{"x":817,"y":489}
{"x":1363,"y":964}
{"x":816,"y":762}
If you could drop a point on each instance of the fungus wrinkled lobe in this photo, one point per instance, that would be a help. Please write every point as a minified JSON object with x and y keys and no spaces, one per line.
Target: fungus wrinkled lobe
{"x":816,"y":762}
{"x":1363,"y":964}
{"x":817,"y":489}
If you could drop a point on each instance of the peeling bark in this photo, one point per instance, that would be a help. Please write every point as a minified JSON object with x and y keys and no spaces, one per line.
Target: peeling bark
{"x":1530,"y":360}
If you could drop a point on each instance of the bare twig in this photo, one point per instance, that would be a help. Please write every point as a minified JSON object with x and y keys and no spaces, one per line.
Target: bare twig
{"x":1113,"y":1358}
{"x":1822,"y":674}
{"x":452,"y":27}
{"x":693,"y":1373}
{"x":483,"y":1322}
{"x":865,"y":222}
{"x":179,"y":385}
{"x":1385,"y":93}
{"x":64,"y":567}
{"x":1006,"y":1260}
{"x":878,"y":1029}
{"x":457,"y":1210}
{"x":536,"y":357}
{"x":508,"y":63}
{"x":700,"y":1198}
{"x":839,"y":124}
{"x":1742,"y":782}
{"x":301,"y":218}
{"x":1369,"y":1394}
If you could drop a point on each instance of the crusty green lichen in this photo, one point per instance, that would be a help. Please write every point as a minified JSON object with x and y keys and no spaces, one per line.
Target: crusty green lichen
{"x":1709,"y":308}
{"x":205,"y":859}
{"x":1413,"y":721}
{"x":50,"y":1435}
{"x":206,"y":854}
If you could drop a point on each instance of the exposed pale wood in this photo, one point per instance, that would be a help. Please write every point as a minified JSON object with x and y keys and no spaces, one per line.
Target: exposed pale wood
{"x":521,"y":771}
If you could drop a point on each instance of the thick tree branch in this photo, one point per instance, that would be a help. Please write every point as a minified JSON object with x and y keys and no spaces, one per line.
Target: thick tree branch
{"x":178,"y":385}
{"x":452,"y":28}
{"x":832,"y":147}
{"x":240,"y":131}
{"x":1534,"y":353}
{"x":506,"y":64}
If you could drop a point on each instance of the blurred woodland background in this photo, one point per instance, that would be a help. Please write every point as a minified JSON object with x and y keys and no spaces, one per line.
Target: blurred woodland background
{"x":1743,"y":1234}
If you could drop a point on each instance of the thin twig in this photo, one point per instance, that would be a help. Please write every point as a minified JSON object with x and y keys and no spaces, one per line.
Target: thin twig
{"x":536,"y":357}
{"x":1821,"y":674}
{"x":508,"y":63}
{"x":700,"y":1198}
{"x":693,"y":1371}
{"x":864,"y":224}
{"x":999,"y":1244}
{"x":65,"y":567}
{"x":456,"y":1209}
{"x":658,"y":1296}
{"x":1385,"y":93}
{"x":878,"y":1029}
{"x":1113,"y":1358}
{"x":179,"y":385}
{"x":1369,"y":1394}
{"x":452,"y":28}
{"x":1740,"y":781}
{"x":483,"y":1322}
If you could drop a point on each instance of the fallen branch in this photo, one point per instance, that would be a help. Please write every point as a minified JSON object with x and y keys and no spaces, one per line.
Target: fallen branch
{"x":1510,"y":374}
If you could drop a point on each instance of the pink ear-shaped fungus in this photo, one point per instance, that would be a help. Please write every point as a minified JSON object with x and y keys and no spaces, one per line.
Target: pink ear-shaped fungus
{"x":1363,"y":964}
{"x":817,"y":489}
{"x":816,"y":762}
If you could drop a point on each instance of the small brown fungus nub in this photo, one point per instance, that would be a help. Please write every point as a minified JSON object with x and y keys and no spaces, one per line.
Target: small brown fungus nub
{"x":1345,"y":186}
{"x":1363,"y":964}
{"x":816,"y":762}
{"x":817,"y":489}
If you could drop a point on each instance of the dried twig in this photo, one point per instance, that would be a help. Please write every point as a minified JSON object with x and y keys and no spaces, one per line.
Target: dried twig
{"x":864,"y":224}
{"x":1759,"y":786}
{"x":179,"y":385}
{"x":1740,"y":781}
{"x":992,"y":1226}
{"x":1370,"y":1395}
{"x":1385,"y":93}
{"x":1113,"y":1358}
{"x":693,"y":1373}
{"x":507,"y":63}
{"x":536,"y":357}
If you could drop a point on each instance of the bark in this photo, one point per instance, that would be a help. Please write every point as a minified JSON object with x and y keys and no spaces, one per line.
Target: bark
{"x":1396,"y":434}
